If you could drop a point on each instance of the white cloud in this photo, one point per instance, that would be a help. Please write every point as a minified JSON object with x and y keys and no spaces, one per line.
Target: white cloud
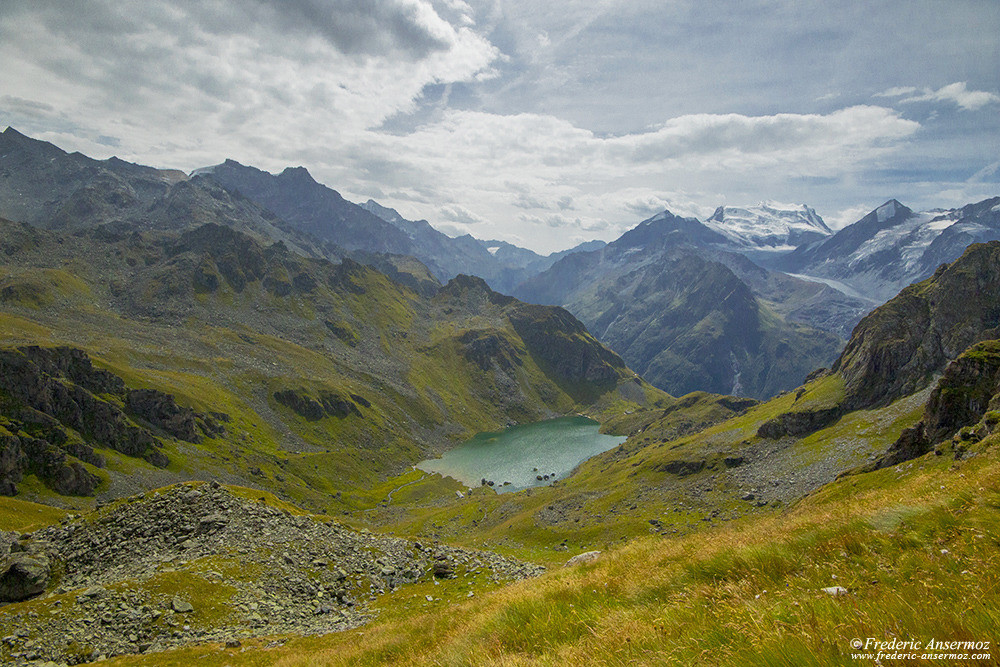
{"x":495,"y":117}
{"x":897,"y":91}
{"x":507,"y":173}
{"x":849,"y":215}
{"x":460,"y":214}
{"x":957,"y":93}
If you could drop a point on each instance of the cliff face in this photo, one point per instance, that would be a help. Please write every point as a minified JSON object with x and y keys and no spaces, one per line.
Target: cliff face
{"x":897,"y":348}
{"x":56,"y":407}
{"x":964,"y":406}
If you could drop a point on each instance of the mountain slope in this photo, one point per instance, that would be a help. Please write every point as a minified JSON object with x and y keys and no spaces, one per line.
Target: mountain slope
{"x":321,"y":212}
{"x":311,"y":207}
{"x":894,"y":246}
{"x":680,"y":316}
{"x":898,"y":347}
{"x":336,"y":370}
{"x":46,"y":187}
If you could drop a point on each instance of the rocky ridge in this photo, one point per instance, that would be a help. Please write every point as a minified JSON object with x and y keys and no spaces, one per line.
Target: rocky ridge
{"x":898,"y":348}
{"x":196,"y":563}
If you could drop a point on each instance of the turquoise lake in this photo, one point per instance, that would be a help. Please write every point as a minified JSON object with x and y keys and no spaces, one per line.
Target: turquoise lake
{"x":521,"y":453}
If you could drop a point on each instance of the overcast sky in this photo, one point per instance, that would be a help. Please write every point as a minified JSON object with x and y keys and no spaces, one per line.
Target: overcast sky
{"x":541,"y":123}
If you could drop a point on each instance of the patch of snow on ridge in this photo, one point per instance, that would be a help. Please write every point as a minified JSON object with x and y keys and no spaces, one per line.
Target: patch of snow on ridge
{"x":911,"y":237}
{"x":886,"y":211}
{"x":493,"y":249}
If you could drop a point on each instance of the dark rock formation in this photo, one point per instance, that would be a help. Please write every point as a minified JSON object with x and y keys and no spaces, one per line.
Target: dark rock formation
{"x":560,"y":342}
{"x":680,"y":468}
{"x":326,"y":404}
{"x":22,"y":576}
{"x":485,"y":348}
{"x":798,"y":423}
{"x":50,"y":397}
{"x":162,"y":411}
{"x":962,"y":398}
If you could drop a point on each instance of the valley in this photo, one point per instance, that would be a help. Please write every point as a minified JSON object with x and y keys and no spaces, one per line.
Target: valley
{"x":227,"y":400}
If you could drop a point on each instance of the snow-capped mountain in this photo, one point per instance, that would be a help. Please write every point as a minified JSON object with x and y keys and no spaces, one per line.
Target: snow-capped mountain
{"x":769,"y":226}
{"x":894,"y":246}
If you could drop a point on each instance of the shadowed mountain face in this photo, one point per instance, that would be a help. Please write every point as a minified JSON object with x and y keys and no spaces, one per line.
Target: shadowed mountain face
{"x":46,"y":187}
{"x":667,"y":301}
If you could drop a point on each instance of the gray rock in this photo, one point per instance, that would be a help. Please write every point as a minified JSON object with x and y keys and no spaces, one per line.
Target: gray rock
{"x":585,"y":557}
{"x":23,"y":576}
{"x":181,"y":606}
{"x":835,"y":591}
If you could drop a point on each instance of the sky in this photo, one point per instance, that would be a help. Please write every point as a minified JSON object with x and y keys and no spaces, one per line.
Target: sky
{"x":544,"y":124}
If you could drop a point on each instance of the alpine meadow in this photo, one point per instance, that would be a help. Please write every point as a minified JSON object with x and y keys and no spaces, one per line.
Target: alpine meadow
{"x":481,"y":332}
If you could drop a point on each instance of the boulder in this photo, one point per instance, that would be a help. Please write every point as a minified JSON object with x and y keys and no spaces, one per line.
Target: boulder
{"x":585,"y":557}
{"x":23,"y":575}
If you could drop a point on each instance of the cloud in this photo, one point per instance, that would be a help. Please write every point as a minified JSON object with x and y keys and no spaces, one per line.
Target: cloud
{"x":523,"y":200}
{"x":188,"y":79}
{"x":849,"y":215}
{"x":808,"y":139}
{"x":472,"y":113}
{"x":529,"y":161}
{"x":957,"y":93}
{"x":457,"y":213}
{"x":897,"y":91}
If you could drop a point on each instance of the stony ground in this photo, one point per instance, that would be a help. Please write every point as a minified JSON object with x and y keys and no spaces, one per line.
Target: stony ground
{"x":196,"y":563}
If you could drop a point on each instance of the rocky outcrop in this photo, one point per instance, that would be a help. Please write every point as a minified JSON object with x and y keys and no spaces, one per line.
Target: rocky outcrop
{"x":962,"y":406}
{"x":486,"y":348}
{"x":325,"y":404}
{"x":268,"y":570}
{"x":798,"y":423}
{"x":561,"y":343}
{"x":23,"y":575}
{"x":899,"y":347}
{"x":680,"y":468}
{"x":51,"y":397}
{"x":969,"y":388}
{"x":162,"y":411}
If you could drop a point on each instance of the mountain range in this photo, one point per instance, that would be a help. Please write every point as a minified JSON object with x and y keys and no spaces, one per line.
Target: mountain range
{"x":786,"y":291}
{"x":210,"y":410}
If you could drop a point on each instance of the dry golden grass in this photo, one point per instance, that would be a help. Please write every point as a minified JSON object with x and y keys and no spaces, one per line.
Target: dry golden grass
{"x":916,"y":546}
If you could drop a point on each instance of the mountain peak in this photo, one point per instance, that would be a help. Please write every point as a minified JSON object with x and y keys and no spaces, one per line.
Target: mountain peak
{"x":297,"y":174}
{"x":889,"y":210}
{"x":384,"y":212}
{"x":769,"y":225}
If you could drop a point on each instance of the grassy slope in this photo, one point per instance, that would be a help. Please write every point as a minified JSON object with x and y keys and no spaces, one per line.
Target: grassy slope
{"x":914,"y":545}
{"x":615,"y":496}
{"x":235,"y":349}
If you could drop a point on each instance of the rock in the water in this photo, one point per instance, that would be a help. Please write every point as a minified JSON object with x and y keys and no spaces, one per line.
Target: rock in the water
{"x":585,"y":557}
{"x":23,"y":576}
